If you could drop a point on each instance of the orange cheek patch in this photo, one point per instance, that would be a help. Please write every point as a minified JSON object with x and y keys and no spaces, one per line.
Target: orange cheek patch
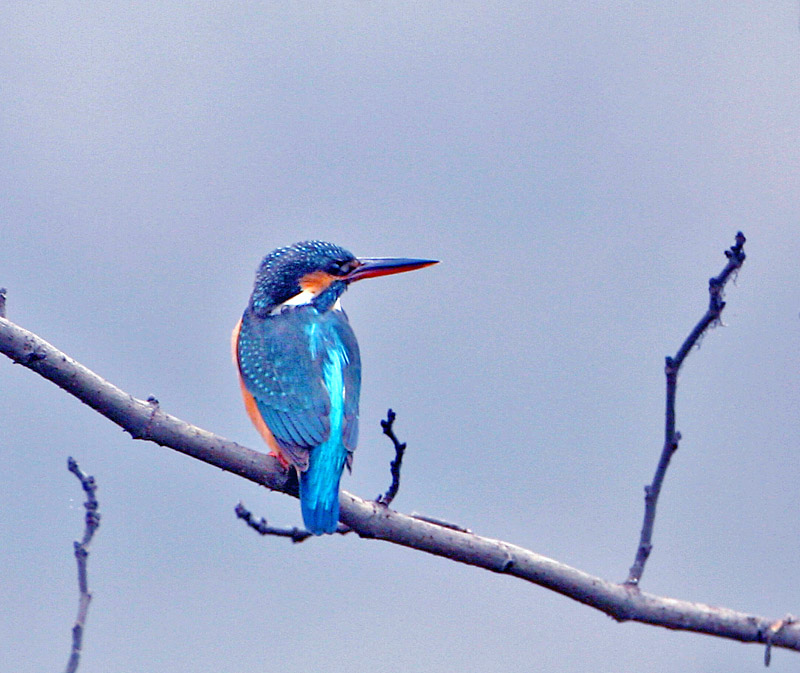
{"x":316,"y":281}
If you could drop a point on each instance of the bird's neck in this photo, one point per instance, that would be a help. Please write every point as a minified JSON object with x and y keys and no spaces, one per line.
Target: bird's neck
{"x":328,"y":299}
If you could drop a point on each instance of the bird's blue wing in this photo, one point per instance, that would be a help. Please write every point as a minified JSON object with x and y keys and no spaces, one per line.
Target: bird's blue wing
{"x":285,"y":378}
{"x":281,"y":361}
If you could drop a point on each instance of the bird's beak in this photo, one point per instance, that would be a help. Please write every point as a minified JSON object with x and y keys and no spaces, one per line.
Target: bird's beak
{"x":370,"y":267}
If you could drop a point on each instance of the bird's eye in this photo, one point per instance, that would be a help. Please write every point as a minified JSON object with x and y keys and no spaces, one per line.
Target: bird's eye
{"x":342,"y":268}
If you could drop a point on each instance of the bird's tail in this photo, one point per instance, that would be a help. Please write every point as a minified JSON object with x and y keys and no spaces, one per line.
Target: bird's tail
{"x":319,"y":484}
{"x":319,"y":488}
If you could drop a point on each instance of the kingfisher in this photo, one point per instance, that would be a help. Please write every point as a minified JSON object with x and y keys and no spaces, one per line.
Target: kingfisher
{"x":300,"y":367}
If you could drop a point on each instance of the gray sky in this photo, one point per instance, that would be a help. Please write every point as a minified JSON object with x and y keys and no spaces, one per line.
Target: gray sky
{"x":578,"y":168}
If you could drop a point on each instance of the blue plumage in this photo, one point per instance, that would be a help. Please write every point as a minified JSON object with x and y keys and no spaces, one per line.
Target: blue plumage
{"x":319,"y":484}
{"x":300,"y":367}
{"x":303,"y":369}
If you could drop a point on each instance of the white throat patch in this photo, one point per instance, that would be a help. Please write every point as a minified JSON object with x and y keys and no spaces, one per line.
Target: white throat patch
{"x":302,"y":299}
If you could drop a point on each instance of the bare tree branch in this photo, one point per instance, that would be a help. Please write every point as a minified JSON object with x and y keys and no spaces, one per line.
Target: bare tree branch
{"x":142,"y":419}
{"x":81,"y":555}
{"x":369,"y":520}
{"x":716,"y":286}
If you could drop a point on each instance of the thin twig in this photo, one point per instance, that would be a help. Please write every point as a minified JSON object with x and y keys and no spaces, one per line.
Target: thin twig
{"x":716,"y":285}
{"x":371,"y":521}
{"x":440,"y":522}
{"x":263,"y":528}
{"x":773,"y":629}
{"x":397,"y":463}
{"x":81,"y":555}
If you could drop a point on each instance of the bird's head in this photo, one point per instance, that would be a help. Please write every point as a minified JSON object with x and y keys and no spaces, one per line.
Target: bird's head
{"x":316,"y":272}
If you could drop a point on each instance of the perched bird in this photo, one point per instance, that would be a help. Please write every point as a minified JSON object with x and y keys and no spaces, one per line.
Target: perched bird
{"x":300,"y":368}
